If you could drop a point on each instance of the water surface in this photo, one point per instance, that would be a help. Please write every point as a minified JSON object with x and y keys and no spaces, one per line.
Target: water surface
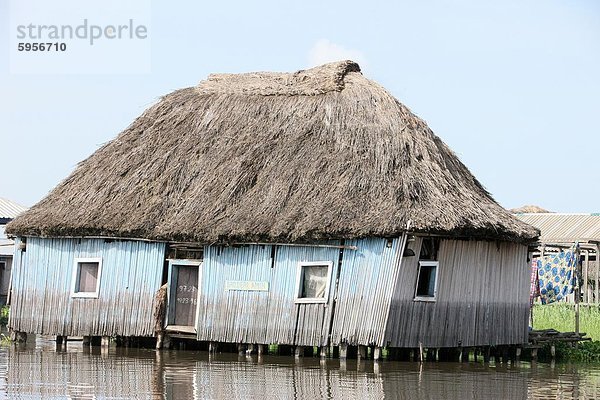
{"x":38,"y":370}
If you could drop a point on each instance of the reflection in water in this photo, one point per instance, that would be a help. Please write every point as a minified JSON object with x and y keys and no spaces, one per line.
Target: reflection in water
{"x":40,"y":371}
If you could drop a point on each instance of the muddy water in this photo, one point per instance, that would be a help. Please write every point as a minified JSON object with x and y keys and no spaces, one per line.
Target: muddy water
{"x":38,"y":370}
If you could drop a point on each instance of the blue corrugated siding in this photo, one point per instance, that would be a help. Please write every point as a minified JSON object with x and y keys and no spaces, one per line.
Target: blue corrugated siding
{"x":366,"y":283}
{"x":261,"y":317}
{"x":41,"y":288}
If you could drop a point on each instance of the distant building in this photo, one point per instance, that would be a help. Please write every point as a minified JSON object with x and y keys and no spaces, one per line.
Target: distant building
{"x":559,"y":231}
{"x":8,"y":211}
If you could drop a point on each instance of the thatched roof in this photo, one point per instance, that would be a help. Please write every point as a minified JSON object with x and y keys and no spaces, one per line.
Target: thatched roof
{"x":321,"y":153}
{"x":529,"y":209}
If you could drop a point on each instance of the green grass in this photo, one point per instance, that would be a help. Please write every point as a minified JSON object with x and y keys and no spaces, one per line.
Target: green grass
{"x":561,"y":316}
{"x":4,"y":315}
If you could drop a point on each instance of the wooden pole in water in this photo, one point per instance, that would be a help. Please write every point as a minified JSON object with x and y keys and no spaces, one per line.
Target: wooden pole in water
{"x":577,"y":294}
{"x":597,"y":280}
{"x":585,"y":286}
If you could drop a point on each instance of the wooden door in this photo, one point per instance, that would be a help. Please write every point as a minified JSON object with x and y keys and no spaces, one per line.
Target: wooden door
{"x":184,"y":278}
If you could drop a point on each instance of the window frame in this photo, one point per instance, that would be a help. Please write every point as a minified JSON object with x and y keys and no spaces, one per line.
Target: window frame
{"x":427,"y":263}
{"x":300,"y":280}
{"x":75,"y":276}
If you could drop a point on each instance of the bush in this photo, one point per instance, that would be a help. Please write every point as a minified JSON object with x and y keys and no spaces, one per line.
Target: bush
{"x":4,"y":315}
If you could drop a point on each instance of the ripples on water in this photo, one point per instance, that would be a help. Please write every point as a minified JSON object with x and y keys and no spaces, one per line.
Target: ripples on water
{"x":40,"y":371}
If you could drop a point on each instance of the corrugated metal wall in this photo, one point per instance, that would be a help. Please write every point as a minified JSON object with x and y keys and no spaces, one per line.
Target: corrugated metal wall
{"x":482,"y":298}
{"x":261,"y":317}
{"x":366,"y":283}
{"x":42,"y":279}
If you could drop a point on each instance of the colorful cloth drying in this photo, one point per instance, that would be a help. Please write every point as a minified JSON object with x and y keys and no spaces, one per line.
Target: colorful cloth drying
{"x":557,"y":275}
{"x":534,"y":288}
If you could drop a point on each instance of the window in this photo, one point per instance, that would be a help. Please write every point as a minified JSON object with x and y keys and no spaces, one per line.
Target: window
{"x":426,"y":281}
{"x":86,"y":277}
{"x":312,"y":282}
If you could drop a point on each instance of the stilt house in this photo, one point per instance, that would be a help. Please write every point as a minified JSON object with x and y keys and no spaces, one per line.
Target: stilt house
{"x":308,"y":208}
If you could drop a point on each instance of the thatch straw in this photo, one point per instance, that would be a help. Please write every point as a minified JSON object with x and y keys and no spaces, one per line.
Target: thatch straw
{"x":160,"y":308}
{"x":527,"y":209}
{"x":322,"y":153}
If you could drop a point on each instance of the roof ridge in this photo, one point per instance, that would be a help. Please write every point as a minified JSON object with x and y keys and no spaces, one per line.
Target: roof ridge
{"x":309,"y":82}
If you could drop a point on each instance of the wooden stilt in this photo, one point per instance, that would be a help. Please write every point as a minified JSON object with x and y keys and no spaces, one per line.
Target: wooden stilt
{"x":105,"y":341}
{"x":323,"y":352}
{"x":167,"y":341}
{"x":534,"y":354}
{"x":250,"y":348}
{"x":335,"y":352}
{"x":431,"y":354}
{"x":486,"y":354}
{"x":518,"y":354}
{"x":362,"y":352}
{"x":465,"y":355}
{"x":376,"y":353}
{"x":213,"y":347}
{"x":160,"y":337}
{"x":505,"y":353}
{"x":261,"y":349}
{"x":343,"y":350}
{"x":241,"y":348}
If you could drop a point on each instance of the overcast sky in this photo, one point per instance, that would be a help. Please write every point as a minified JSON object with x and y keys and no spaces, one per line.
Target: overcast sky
{"x":513,"y":87}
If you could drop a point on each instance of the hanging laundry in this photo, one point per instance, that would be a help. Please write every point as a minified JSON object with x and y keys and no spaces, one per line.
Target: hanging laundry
{"x":557,"y":275}
{"x":534,"y":288}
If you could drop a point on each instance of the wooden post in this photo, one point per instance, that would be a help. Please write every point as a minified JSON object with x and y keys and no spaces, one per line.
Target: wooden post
{"x":86,"y":340}
{"x":486,"y":354}
{"x":262,"y":349}
{"x":167,"y":343}
{"x":241,"y":348}
{"x":362,"y":352}
{"x":534,"y":354}
{"x":299,"y":351}
{"x":518,"y":353}
{"x":505,"y":354}
{"x":577,"y":294}
{"x":343,"y":350}
{"x":212,"y":347}
{"x":465,"y":355}
{"x":323,"y":352}
{"x":584,"y":284}
{"x":159,"y":340}
{"x":376,"y":353}
{"x":250,"y":348}
{"x":105,"y":341}
{"x":335,"y":352}
{"x":597,"y":280}
{"x":553,"y":351}
{"x":421,"y":357}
